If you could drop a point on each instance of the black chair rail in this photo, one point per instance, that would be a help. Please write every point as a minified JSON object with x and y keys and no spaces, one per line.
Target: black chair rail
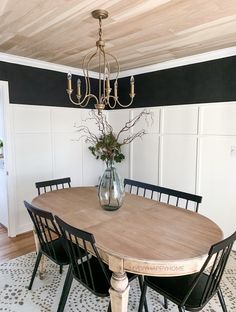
{"x":141,"y":188}
{"x":193,"y":292}
{"x":90,"y":271}
{"x":51,"y":185}
{"x":50,"y":240}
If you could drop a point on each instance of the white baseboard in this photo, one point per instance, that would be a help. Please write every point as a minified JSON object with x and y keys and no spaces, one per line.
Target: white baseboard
{"x":23,"y":228}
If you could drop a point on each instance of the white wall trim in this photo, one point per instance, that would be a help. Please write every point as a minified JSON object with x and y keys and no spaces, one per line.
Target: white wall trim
{"x":193,"y":59}
{"x":9,"y":161}
{"x":20,"y":60}
{"x":23,"y":228}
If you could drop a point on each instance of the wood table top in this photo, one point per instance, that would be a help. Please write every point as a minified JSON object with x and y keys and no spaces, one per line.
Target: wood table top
{"x":144,"y":235}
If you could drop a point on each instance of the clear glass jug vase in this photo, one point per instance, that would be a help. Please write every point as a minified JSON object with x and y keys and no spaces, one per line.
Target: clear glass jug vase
{"x":111,"y":189}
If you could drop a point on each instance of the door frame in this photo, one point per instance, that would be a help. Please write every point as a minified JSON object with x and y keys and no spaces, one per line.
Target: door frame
{"x":9,"y":163}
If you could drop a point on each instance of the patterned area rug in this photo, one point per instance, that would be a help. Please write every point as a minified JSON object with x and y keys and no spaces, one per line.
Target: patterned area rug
{"x":44,"y":296}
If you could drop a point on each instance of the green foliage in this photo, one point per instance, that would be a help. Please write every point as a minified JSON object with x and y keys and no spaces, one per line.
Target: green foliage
{"x":1,"y":143}
{"x":107,"y":145}
{"x":107,"y":148}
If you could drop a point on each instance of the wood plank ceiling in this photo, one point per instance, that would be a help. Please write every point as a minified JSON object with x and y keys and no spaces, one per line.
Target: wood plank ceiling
{"x":137,"y":32}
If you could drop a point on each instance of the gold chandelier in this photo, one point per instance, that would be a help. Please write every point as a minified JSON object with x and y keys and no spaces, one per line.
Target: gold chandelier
{"x":106,"y":95}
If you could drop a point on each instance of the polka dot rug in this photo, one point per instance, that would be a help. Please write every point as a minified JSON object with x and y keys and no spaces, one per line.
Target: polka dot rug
{"x":44,"y":296}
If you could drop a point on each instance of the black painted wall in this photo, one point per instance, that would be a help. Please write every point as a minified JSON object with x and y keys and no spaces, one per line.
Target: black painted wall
{"x":35,"y":86}
{"x":211,"y":81}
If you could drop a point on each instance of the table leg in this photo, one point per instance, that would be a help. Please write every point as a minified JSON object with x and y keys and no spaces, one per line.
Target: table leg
{"x":119,"y":292}
{"x":42,"y":262}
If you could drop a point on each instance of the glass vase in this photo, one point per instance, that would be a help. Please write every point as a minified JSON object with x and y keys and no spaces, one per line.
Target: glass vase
{"x":111,"y":189}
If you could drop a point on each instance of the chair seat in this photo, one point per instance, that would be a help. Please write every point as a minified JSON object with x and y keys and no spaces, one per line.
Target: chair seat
{"x":101,"y":285}
{"x":177,"y":287}
{"x":60,"y":257}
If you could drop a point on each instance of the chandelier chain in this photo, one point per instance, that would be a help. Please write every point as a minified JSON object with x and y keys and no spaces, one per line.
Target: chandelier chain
{"x":100,"y":29}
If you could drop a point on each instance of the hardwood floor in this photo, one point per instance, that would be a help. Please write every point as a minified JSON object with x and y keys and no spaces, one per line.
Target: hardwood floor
{"x":11,"y":248}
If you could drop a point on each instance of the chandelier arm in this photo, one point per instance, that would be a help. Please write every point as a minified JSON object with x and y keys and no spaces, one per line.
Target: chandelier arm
{"x":85,"y":71}
{"x":87,"y":87}
{"x":115,"y":98}
{"x":106,"y":78}
{"x":90,"y":59}
{"x":100,"y":78}
{"x":117,"y":64}
{"x":93,"y":96}
{"x":117,"y":101}
{"x":87,"y":95}
{"x":85,"y":77}
{"x":103,"y":99}
{"x":107,"y":98}
{"x":117,"y":74}
{"x":125,"y":105}
{"x":114,"y":102}
{"x":76,"y":103}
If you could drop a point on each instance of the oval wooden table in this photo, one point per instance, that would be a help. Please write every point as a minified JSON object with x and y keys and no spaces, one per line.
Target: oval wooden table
{"x":144,"y":236}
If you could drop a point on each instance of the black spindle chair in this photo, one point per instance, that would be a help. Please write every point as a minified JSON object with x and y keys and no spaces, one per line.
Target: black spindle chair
{"x":163,"y":194}
{"x":90,"y":271}
{"x":193,"y":292}
{"x":50,"y":240}
{"x":52,"y":184}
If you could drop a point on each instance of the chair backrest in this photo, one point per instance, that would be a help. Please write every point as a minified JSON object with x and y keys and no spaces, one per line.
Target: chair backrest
{"x":75,"y":239}
{"x":217,"y":259}
{"x":163,"y":194}
{"x":45,"y":228}
{"x":51,"y":185}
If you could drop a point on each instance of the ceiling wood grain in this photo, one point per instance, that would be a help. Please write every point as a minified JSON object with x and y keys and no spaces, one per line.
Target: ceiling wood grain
{"x":137,"y":32}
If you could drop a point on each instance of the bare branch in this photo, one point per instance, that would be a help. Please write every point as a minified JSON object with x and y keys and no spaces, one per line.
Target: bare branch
{"x":132,"y":137}
{"x":131,"y":123}
{"x":105,"y":145}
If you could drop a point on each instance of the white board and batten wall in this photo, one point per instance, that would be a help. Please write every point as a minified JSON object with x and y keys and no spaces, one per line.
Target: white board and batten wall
{"x":190,"y":148}
{"x":46,"y":146}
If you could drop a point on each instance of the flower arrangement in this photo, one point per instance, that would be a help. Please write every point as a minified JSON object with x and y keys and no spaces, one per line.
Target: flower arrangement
{"x":107,"y":145}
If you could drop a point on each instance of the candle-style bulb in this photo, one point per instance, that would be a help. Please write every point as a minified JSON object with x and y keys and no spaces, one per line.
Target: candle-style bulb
{"x":132,"y":87}
{"x":69,"y":76}
{"x":69,"y":85}
{"x":78,"y":89}
{"x":106,"y":71}
{"x":115,"y":88}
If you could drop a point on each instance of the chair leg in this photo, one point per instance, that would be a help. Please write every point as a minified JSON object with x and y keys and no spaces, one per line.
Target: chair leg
{"x":140,"y":279}
{"x":181,"y":309}
{"x":222,"y":300}
{"x":109,"y":307}
{"x":143,"y":297}
{"x":65,"y":290}
{"x":39,"y":256}
{"x":165,"y":303}
{"x":61,"y":269}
